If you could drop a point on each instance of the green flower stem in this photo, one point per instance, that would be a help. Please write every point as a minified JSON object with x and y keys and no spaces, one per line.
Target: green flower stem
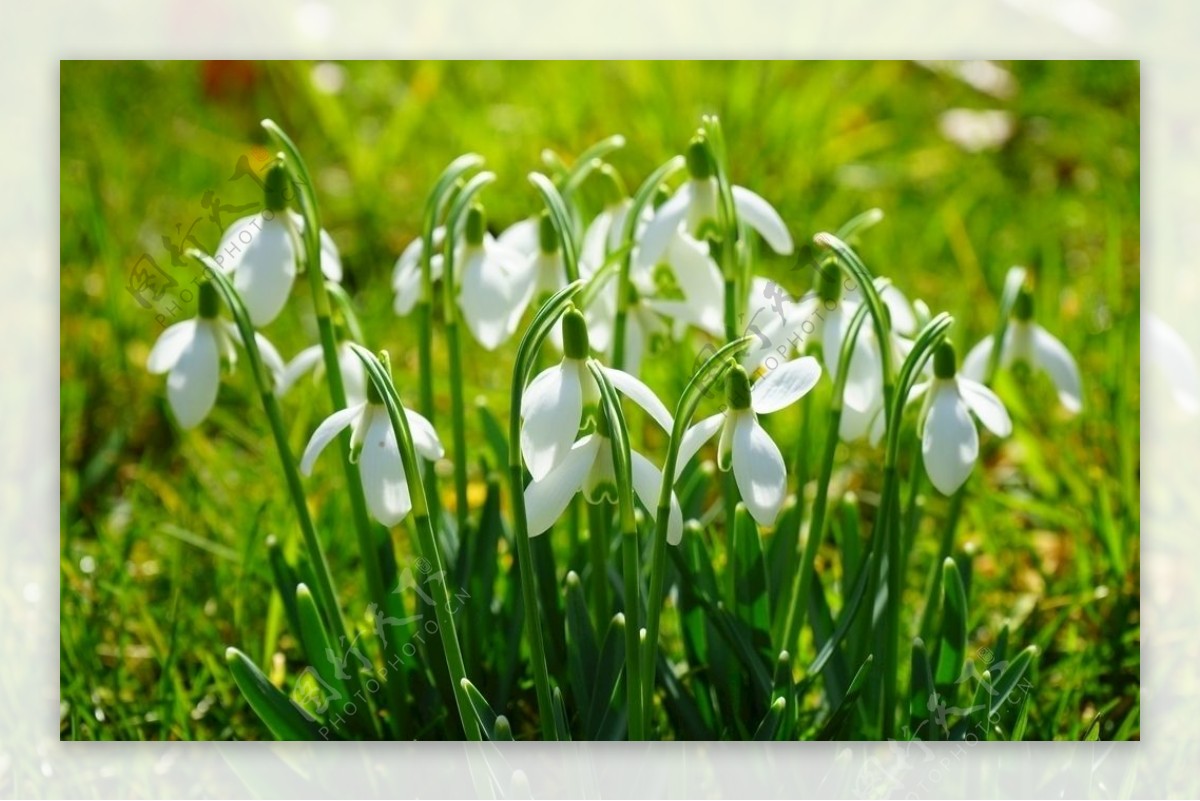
{"x":527,"y":352}
{"x":561,"y":217}
{"x":622,"y":467}
{"x":369,"y":541}
{"x":816,"y":529}
{"x":443,"y":193}
{"x":425,"y":534}
{"x":455,"y":221}
{"x":598,"y":540}
{"x":889,"y":523}
{"x":642,"y":198}
{"x":702,"y":381}
{"x":326,"y":595}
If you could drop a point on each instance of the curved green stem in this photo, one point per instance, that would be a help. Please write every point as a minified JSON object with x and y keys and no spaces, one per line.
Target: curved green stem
{"x":326,"y":594}
{"x":369,"y":542}
{"x":704,"y":379}
{"x":816,"y":528}
{"x":527,"y":353}
{"x":561,"y":217}
{"x":623,"y":468}
{"x":428,"y":540}
{"x":455,"y":221}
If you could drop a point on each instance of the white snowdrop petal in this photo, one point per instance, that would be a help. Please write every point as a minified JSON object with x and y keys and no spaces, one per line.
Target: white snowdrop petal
{"x":785,"y":385}
{"x":974,"y":366}
{"x":303,"y":363}
{"x":904,"y":319}
{"x":270,"y":357}
{"x":331,"y":260}
{"x":522,"y":236}
{"x":642,"y":395}
{"x":383,"y":480}
{"x":1052,"y":357}
{"x":987,"y":407}
{"x":701,"y":282}
{"x":266,"y":271}
{"x":425,"y":438}
{"x":950,"y":443}
{"x":485,"y":296}
{"x":762,"y":217}
{"x":647,"y":484}
{"x":546,"y":498}
{"x":663,"y":227}
{"x":193,"y":381}
{"x":330,"y":427}
{"x":694,"y":438}
{"x":552,"y":408}
{"x":758,"y":469}
{"x":170,"y":346}
{"x":354,"y":375}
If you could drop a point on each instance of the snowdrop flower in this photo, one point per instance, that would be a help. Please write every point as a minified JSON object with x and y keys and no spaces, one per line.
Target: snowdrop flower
{"x":949,"y":441}
{"x":312,"y":360}
{"x":695,"y":206}
{"x":374,"y":448}
{"x":1027,"y":342}
{"x":406,"y":275}
{"x":492,"y":290}
{"x":588,"y":466}
{"x":553,"y":403}
{"x":260,"y":253}
{"x":192,"y":352}
{"x":757,"y":464}
{"x":823,"y":316}
{"x":673,"y":236}
{"x":540,"y":272}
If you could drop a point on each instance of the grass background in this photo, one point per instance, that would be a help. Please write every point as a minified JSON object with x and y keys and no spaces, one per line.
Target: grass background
{"x":162,"y":531}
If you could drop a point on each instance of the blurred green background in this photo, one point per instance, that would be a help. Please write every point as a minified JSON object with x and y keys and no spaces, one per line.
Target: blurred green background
{"x":162,"y":530}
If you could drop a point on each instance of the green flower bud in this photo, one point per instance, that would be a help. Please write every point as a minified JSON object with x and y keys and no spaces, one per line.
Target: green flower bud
{"x":944,"y":361}
{"x":208,"y":301}
{"x":575,"y":335}
{"x":275,"y":187}
{"x":830,"y":286}
{"x":476,"y":225}
{"x":737,"y":389}
{"x":1023,"y":307}
{"x":699,"y":159}
{"x":547,"y":235}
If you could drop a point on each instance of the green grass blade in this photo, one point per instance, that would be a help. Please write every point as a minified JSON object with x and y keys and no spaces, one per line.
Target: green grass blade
{"x":276,"y":710}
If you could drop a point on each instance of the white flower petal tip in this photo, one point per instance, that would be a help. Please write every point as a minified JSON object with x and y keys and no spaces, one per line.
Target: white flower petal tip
{"x":1052,"y":357}
{"x":325,"y":433}
{"x":758,"y":469}
{"x":762,"y":217}
{"x":785,"y":385}
{"x":642,"y":395}
{"x":694,"y":438}
{"x":986,"y":406}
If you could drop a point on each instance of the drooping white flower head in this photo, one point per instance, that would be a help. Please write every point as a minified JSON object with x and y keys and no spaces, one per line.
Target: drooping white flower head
{"x":406,"y":275}
{"x":192,"y":352}
{"x":949,"y":441}
{"x":553,"y":403}
{"x":260,"y":254}
{"x":374,"y":448}
{"x":1027,"y":342}
{"x":588,"y":466}
{"x":675,"y":235}
{"x":492,"y":286}
{"x":312,"y":360}
{"x":745,"y":445}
